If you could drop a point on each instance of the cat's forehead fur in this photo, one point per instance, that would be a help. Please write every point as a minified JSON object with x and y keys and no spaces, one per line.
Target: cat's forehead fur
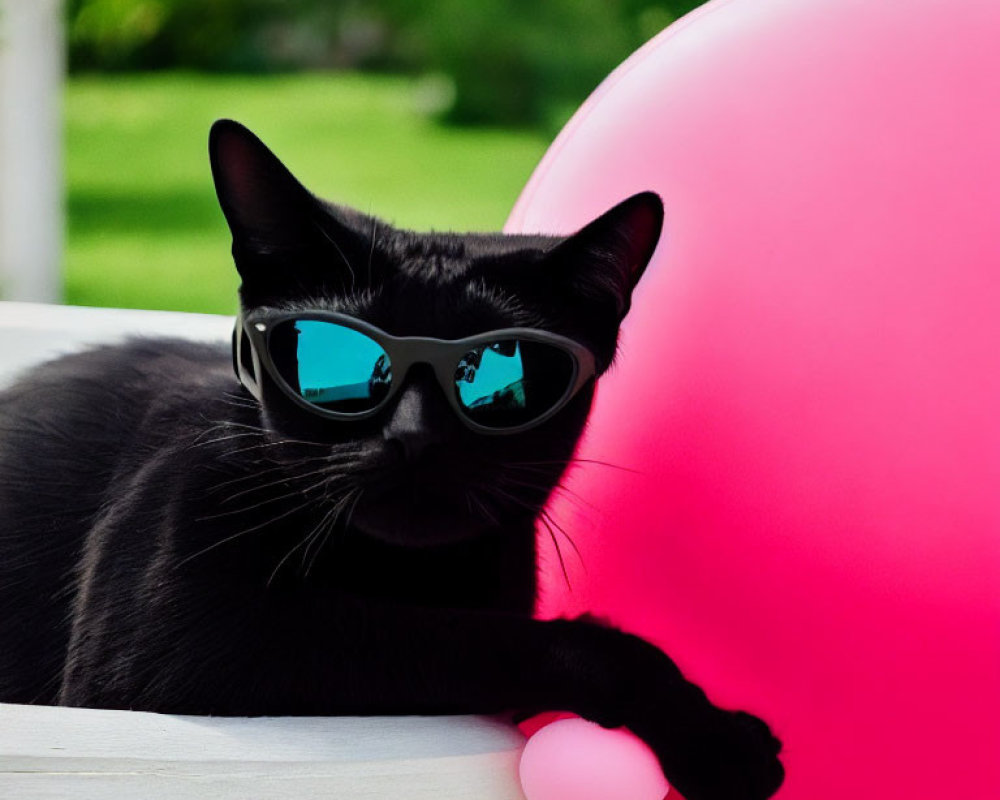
{"x":432,"y":284}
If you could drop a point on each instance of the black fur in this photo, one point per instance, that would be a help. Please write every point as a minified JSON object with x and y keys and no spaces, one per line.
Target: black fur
{"x":168,"y":544}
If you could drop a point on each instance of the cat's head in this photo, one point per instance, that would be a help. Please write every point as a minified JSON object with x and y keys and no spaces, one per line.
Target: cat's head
{"x":420,"y":476}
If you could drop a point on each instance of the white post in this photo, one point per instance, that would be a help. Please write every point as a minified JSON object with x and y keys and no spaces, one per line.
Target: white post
{"x":32,"y":63}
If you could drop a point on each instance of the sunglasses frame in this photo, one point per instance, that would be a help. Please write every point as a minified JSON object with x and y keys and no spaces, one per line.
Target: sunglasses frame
{"x":442,"y":355}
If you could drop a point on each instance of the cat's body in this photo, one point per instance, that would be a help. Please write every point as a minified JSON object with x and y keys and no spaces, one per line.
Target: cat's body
{"x":168,"y":543}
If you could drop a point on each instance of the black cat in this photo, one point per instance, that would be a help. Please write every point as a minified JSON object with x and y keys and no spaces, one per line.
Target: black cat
{"x":348,"y":539}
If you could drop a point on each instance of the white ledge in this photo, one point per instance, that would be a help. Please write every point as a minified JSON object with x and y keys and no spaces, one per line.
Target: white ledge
{"x":95,"y":754}
{"x":33,"y":332}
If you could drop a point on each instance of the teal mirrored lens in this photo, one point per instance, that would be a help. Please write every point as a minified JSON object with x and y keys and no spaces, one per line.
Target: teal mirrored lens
{"x":330,"y":365}
{"x":510,"y":383}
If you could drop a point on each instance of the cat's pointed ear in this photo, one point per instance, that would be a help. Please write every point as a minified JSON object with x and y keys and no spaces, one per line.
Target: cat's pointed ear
{"x":265,"y":206}
{"x":604,"y":260}
{"x":283,"y":236}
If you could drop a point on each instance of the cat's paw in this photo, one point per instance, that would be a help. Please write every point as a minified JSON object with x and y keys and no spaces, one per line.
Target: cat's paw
{"x":732,"y":756}
{"x":706,"y":753}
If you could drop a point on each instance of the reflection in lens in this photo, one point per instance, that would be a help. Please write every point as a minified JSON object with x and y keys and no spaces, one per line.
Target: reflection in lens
{"x":331,"y":366}
{"x":509,"y":383}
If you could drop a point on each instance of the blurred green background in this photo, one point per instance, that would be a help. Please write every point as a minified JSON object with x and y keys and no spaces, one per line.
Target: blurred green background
{"x":429,"y":115}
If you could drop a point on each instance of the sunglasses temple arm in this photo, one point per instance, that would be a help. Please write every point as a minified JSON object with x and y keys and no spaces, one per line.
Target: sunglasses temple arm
{"x":249,"y":381}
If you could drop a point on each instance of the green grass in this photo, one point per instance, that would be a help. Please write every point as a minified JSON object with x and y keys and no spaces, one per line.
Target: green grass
{"x":144,"y":228}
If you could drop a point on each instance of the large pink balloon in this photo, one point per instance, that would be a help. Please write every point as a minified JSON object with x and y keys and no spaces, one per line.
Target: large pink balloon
{"x":809,"y":382}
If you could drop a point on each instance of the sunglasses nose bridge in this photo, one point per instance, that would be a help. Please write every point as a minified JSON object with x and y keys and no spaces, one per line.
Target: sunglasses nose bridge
{"x":428,"y":353}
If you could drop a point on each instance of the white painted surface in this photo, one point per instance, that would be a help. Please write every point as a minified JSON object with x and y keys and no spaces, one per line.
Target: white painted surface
{"x":32,"y":332}
{"x":31,"y":205}
{"x":87,"y":754}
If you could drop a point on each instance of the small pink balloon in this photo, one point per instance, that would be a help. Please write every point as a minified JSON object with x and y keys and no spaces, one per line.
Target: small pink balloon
{"x":574,"y":759}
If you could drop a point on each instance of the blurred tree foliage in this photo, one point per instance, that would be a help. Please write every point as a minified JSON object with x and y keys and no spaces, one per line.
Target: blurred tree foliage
{"x":510,"y":62}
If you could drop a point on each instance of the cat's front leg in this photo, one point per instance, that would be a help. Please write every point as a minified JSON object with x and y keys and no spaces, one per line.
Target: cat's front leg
{"x":706,"y":752}
{"x":417,"y":660}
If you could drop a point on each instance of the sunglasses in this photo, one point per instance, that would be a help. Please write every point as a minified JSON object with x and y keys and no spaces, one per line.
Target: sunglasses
{"x":339,"y":367}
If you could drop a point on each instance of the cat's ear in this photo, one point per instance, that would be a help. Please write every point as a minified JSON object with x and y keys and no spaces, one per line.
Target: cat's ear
{"x":281,"y":232}
{"x":591,"y":274}
{"x":263,"y":203}
{"x":603,"y":261}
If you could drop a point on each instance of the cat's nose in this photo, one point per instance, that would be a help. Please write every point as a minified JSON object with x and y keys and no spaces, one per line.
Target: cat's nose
{"x":419,"y":420}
